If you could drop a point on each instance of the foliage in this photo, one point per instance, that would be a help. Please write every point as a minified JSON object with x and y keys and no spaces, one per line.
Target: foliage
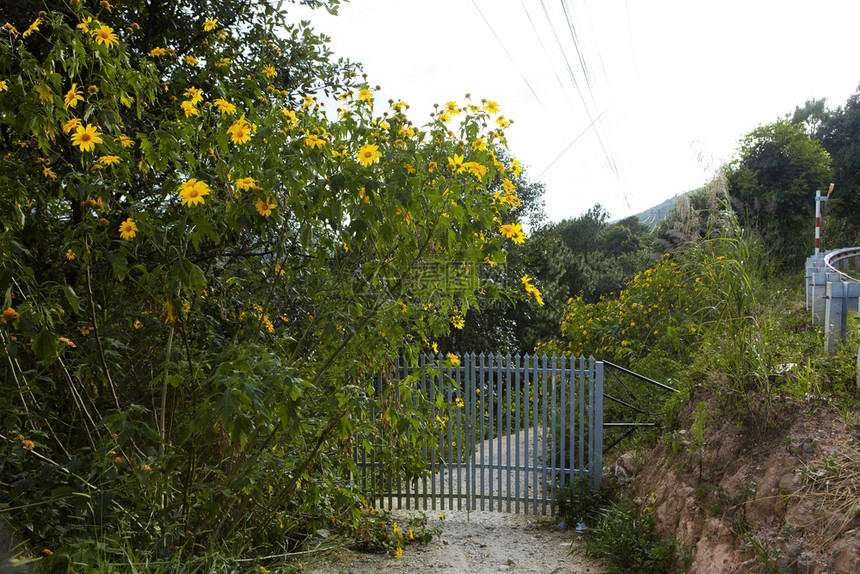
{"x":838,"y":132}
{"x":653,"y":320}
{"x":773,"y":183}
{"x":202,"y":269}
{"x":514,"y":324}
{"x":604,"y":256}
{"x":695,"y":214}
{"x":380,"y":532}
{"x":624,"y":539}
{"x":579,"y":503}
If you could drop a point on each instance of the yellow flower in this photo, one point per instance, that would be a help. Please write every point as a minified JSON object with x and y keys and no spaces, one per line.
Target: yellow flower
{"x":510,"y":230}
{"x":210,"y":25}
{"x":366,"y":95}
{"x":190,"y":60}
{"x":399,"y":553}
{"x":475,"y":169}
{"x":458,"y":321}
{"x":10,"y":28}
{"x":456,"y":163}
{"x":222,"y":62}
{"x":71,"y":124}
{"x":9,"y":313}
{"x":137,"y":324}
{"x":3,"y":86}
{"x":265,"y":208}
{"x":291,"y":116}
{"x":225,"y":107}
{"x":314,"y":141}
{"x":87,"y":137}
{"x":157,"y":52}
{"x":70,"y":255}
{"x":454,"y":360}
{"x":128,"y":229}
{"x":125,"y":141}
{"x":107,"y":160}
{"x":459,"y":403}
{"x":240,"y":131}
{"x":479,"y":144}
{"x":34,"y":27}
{"x":246,"y":183}
{"x":189,"y":109}
{"x":196,"y":94}
{"x":435,"y":347}
{"x":105,"y":35}
{"x":269,"y":71}
{"x":193,"y":191}
{"x":45,"y":93}
{"x":73,"y":96}
{"x":491,"y":107}
{"x":368,"y":154}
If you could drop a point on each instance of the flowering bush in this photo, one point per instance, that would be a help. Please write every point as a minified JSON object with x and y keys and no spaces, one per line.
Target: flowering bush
{"x":202,"y":269}
{"x":658,"y":314}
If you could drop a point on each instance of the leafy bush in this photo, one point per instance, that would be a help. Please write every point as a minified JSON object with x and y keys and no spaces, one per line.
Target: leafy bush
{"x":624,"y":540}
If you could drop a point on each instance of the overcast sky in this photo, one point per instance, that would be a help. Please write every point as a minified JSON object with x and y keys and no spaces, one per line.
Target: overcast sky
{"x":670,"y":86}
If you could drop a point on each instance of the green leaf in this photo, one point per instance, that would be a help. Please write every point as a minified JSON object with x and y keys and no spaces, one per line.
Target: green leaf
{"x":189,"y":275}
{"x":45,"y":344}
{"x":120,"y":266}
{"x":72,"y":298}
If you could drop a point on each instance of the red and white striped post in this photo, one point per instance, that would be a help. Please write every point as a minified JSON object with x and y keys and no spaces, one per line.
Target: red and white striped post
{"x":818,"y":200}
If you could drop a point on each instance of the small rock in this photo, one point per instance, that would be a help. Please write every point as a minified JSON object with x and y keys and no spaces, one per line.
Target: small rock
{"x":807,"y":448}
{"x":788,"y":482}
{"x":511,"y":563}
{"x":323,"y":533}
{"x":503,"y":568}
{"x":560,"y":526}
{"x":792,"y":549}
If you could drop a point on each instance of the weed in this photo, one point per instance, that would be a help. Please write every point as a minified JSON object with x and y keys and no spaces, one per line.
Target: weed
{"x":625,"y":540}
{"x":766,"y":558}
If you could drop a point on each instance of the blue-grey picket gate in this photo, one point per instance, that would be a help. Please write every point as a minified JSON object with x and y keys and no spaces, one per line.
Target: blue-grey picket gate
{"x":512,"y":432}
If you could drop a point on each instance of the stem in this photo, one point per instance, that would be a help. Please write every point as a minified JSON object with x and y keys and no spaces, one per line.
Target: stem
{"x":99,"y":339}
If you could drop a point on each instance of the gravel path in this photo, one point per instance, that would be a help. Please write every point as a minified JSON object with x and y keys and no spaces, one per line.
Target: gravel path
{"x":486,"y":542}
{"x":481,"y":541}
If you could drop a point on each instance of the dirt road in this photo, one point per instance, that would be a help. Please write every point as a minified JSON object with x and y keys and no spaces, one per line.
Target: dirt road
{"x":485,"y":542}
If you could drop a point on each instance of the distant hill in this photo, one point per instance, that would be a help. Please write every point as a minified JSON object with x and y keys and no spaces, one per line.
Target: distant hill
{"x":653,"y":215}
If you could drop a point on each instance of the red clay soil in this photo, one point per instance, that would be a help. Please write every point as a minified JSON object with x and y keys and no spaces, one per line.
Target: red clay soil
{"x":757,"y":496}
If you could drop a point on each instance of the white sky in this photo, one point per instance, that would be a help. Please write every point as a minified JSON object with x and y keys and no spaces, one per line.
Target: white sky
{"x":679,"y":82}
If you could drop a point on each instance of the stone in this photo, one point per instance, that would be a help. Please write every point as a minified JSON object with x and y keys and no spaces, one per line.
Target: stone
{"x":323,"y":533}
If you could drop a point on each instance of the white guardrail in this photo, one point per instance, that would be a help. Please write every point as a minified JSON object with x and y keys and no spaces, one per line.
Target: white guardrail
{"x":832,"y":294}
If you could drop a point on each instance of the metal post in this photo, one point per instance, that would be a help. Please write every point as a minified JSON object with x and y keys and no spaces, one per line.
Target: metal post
{"x":841,"y":299}
{"x":817,"y":219}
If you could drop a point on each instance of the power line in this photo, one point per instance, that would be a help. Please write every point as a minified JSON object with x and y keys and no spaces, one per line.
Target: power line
{"x":570,"y":145}
{"x":543,"y":47}
{"x":499,"y":40}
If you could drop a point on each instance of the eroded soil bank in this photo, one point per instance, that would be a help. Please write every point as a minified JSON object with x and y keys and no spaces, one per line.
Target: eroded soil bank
{"x":754,"y":493}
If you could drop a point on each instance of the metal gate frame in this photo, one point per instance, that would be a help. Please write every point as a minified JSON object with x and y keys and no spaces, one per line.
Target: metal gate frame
{"x":550,"y":408}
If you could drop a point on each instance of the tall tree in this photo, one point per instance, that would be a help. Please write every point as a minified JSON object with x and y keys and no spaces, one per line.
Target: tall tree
{"x":772,"y":184}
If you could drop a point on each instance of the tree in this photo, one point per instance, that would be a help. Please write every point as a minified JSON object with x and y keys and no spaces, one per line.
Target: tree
{"x":604,"y":255}
{"x":773,"y":183}
{"x":840,"y":136}
{"x":203,"y":272}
